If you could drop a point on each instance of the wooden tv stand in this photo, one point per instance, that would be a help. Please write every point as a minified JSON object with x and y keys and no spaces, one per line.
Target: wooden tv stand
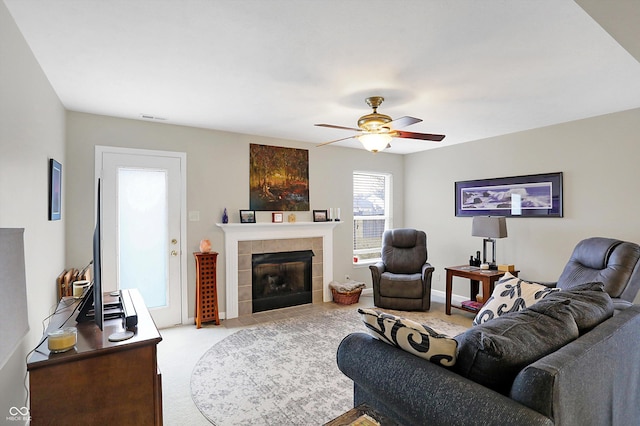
{"x":98,"y":382}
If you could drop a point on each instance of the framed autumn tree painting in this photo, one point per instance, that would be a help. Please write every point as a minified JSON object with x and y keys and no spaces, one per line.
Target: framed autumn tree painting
{"x":279,"y":178}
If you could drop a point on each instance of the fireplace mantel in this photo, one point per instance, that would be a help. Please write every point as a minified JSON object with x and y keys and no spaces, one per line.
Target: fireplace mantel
{"x":234,"y":232}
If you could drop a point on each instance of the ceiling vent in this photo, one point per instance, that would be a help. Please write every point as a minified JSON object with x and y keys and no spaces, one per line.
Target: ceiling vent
{"x":152,"y":117}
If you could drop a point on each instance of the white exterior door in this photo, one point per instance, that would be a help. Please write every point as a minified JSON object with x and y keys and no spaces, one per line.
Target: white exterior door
{"x":143,"y":227}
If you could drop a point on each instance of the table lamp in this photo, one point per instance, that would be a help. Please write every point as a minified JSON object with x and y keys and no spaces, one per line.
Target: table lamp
{"x":489,"y":227}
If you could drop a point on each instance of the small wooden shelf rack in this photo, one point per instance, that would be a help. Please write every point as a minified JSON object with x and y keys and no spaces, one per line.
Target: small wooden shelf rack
{"x":206,"y":288}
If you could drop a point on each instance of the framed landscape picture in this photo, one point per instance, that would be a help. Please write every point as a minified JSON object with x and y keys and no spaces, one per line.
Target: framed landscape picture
{"x":247,"y":216}
{"x":537,"y":195}
{"x":319,"y":215}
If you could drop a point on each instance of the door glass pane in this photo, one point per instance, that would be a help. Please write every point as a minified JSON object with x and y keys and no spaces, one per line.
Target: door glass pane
{"x":142,"y":233}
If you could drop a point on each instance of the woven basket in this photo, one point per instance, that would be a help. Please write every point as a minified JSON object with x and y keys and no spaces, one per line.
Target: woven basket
{"x":346,"y":298}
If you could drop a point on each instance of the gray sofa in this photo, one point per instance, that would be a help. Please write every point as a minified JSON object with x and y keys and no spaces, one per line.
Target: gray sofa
{"x":593,"y":380}
{"x":587,"y":371}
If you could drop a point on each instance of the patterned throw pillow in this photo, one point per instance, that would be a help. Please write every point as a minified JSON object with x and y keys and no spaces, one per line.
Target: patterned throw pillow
{"x":410,"y":336}
{"x":511,"y":294}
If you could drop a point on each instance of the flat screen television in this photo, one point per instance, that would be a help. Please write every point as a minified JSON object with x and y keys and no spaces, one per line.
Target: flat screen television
{"x":91,"y":306}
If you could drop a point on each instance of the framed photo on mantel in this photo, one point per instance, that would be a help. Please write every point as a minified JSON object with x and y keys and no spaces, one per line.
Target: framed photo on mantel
{"x":319,"y":215}
{"x":516,"y":196}
{"x":247,"y":216}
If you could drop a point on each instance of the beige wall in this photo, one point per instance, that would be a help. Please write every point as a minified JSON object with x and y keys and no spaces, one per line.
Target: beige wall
{"x":32,"y":129}
{"x":599,"y":159}
{"x":597,"y":156}
{"x":217,"y":177}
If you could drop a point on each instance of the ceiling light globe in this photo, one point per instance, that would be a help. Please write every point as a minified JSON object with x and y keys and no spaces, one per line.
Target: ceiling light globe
{"x":375,"y":142}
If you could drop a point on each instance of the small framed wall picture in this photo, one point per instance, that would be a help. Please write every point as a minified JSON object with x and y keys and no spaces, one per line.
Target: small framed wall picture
{"x":55,"y":189}
{"x":277,"y":217}
{"x":319,"y":215}
{"x":247,"y":216}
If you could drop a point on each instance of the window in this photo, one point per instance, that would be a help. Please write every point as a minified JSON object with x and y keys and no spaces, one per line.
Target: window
{"x":371,"y":214}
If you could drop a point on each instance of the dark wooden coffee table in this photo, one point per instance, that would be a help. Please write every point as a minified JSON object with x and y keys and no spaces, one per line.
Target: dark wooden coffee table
{"x":354,"y":416}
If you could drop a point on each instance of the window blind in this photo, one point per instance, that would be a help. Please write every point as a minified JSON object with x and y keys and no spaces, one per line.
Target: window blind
{"x":370,"y":214}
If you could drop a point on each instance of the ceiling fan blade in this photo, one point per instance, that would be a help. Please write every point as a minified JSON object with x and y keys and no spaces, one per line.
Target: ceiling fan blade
{"x":402,"y":122}
{"x":337,"y":127}
{"x":337,"y":140}
{"x":422,"y":136}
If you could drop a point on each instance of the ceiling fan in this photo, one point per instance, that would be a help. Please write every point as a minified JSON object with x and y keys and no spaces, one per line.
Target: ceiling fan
{"x":375,"y":130}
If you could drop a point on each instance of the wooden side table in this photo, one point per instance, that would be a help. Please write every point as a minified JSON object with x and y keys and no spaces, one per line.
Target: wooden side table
{"x":476,"y":275}
{"x":355,"y":416}
{"x":206,"y":288}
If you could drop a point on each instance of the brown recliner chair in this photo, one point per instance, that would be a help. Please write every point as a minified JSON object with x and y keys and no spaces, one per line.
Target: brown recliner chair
{"x":612,"y":262}
{"x":402,"y":280}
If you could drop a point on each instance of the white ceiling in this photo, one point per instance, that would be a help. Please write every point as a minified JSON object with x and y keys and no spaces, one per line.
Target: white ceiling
{"x":470,"y":69}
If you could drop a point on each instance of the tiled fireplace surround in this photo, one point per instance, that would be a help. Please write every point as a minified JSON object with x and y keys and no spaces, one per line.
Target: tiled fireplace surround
{"x":243,"y":240}
{"x":248,"y":248}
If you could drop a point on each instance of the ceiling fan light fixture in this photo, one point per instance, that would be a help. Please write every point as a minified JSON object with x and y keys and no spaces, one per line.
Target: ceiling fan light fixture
{"x":375,"y":142}
{"x":373,"y":122}
{"x":376,"y":130}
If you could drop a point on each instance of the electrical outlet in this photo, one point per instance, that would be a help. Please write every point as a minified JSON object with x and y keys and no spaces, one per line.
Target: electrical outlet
{"x":437,"y":278}
{"x":347,"y":277}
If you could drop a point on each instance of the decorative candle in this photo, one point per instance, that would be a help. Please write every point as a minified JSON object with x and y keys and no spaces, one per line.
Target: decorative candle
{"x":63,"y":339}
{"x":79,"y":287}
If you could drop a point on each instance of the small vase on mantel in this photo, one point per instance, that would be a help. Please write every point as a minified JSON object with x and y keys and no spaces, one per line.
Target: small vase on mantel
{"x":225,"y":216}
{"x":205,"y":246}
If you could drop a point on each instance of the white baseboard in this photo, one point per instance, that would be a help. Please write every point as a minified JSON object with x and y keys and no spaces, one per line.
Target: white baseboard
{"x":436,"y":296}
{"x":439,"y":296}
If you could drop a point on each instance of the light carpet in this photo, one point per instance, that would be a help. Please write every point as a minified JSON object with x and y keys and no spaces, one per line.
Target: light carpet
{"x":284,"y":372}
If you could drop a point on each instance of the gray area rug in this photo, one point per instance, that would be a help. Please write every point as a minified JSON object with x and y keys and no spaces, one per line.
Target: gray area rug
{"x":283,"y":372}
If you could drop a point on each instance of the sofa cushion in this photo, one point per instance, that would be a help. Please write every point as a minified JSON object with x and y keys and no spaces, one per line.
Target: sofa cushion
{"x":417,"y":339}
{"x":494,"y":352}
{"x":408,"y":286}
{"x":511,"y":294}
{"x":590,"y":304}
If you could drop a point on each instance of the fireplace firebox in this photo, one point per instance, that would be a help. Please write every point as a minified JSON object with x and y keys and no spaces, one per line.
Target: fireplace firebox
{"x":281,"y":280}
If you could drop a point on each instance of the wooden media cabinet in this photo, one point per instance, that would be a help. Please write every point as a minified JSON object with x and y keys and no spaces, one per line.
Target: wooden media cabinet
{"x":98,"y":382}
